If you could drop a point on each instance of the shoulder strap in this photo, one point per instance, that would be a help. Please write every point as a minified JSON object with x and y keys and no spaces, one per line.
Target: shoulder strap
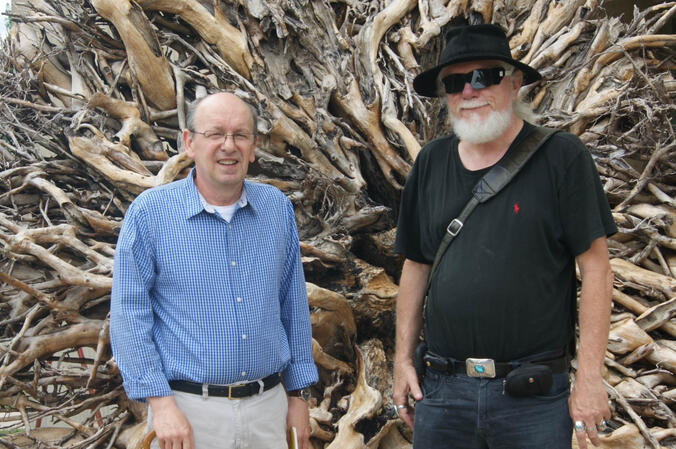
{"x":490,"y":184}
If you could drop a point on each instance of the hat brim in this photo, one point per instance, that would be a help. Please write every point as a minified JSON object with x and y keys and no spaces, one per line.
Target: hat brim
{"x":425,"y":84}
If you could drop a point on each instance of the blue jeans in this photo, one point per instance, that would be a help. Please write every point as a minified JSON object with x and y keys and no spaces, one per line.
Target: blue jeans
{"x":462,"y":412}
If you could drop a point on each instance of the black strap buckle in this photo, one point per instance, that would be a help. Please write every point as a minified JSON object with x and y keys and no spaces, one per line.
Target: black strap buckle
{"x":454,"y":227}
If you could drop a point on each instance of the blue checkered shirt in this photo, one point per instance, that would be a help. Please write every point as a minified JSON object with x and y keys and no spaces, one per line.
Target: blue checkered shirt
{"x":197,"y":298}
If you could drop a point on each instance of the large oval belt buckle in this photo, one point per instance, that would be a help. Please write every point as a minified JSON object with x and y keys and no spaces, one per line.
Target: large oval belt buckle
{"x":480,"y":367}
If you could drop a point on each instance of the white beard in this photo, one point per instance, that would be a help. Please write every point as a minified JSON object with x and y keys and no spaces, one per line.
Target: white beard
{"x":480,"y":130}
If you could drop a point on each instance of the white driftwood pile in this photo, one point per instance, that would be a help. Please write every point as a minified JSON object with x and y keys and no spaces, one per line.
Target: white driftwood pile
{"x":93,"y":98}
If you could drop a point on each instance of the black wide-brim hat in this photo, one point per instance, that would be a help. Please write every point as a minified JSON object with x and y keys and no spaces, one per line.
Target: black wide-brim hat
{"x":472,"y":43}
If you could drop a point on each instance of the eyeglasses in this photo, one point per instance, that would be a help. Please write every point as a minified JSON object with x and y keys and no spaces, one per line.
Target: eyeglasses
{"x":477,"y":78}
{"x":239,"y":138}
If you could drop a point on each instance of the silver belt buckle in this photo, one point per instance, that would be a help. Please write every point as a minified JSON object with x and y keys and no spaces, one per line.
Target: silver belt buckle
{"x":480,"y":367}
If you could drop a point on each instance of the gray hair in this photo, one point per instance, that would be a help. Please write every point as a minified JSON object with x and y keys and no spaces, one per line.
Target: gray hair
{"x":523,"y":110}
{"x":520,"y":107}
{"x":192,"y":109}
{"x":509,"y":68}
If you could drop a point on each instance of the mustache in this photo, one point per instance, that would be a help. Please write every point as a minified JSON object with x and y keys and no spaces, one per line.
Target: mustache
{"x":473,"y":103}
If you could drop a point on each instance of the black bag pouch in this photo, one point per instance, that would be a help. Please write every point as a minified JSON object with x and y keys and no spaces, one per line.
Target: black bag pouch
{"x":419,"y":360}
{"x":529,"y":380}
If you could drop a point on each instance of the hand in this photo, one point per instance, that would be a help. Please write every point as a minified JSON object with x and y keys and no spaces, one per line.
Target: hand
{"x":298,"y":416}
{"x":588,"y":403}
{"x":405,"y":383}
{"x":172,"y":429}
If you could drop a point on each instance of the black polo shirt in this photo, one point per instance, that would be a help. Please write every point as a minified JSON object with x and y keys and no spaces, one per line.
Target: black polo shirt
{"x":505,"y":288}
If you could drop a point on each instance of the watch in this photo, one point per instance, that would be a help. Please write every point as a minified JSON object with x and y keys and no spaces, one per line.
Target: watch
{"x":303,"y":393}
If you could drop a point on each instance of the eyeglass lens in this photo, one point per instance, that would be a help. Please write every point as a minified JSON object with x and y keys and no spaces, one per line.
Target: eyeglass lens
{"x":477,"y":78}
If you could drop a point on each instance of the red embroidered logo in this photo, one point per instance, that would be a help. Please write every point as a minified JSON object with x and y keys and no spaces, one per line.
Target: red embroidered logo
{"x":516,"y":208}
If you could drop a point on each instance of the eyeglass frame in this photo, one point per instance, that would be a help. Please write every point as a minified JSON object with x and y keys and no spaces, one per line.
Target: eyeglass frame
{"x":224,"y":136}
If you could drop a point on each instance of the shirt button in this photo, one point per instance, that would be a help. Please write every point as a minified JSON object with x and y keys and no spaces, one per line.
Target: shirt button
{"x":239,"y":299}
{"x":233,"y":263}
{"x":243,"y":373}
{"x":229,"y":227}
{"x":243,"y":336}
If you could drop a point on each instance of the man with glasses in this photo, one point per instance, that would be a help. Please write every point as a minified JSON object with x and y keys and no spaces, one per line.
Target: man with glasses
{"x":209,"y":314}
{"x":501,"y":303}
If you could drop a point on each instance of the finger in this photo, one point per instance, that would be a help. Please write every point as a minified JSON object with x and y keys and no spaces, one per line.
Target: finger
{"x":304,"y":439}
{"x":400,"y":394}
{"x":407,"y":415}
{"x":398,"y":399}
{"x":417,"y":394}
{"x":408,"y":421}
{"x":414,"y":386}
{"x":606,"y":414}
{"x":189,"y":443}
{"x":191,"y":438}
{"x":581,"y":436}
{"x":593,"y":435}
{"x":602,"y":427}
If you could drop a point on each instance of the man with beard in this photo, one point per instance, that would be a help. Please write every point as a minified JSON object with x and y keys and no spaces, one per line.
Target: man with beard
{"x":500,"y":308}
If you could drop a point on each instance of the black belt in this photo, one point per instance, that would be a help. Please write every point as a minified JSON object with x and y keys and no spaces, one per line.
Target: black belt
{"x":230,"y":392}
{"x":484,"y":367}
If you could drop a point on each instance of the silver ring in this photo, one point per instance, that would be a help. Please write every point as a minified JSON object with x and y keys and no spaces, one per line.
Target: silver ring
{"x":603,"y":425}
{"x":579,"y":426}
{"x":400,"y":406}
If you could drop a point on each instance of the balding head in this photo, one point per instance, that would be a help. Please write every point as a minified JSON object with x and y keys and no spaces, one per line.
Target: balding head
{"x":192,"y":115}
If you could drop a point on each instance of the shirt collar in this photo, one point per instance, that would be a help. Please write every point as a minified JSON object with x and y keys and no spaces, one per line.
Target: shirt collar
{"x":241,"y":202}
{"x":195,"y":203}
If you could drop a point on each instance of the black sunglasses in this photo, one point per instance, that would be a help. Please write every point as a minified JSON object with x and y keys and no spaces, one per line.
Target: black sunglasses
{"x":477,"y":78}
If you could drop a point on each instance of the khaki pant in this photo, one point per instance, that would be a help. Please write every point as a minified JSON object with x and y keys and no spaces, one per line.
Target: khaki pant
{"x":256,"y":422}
